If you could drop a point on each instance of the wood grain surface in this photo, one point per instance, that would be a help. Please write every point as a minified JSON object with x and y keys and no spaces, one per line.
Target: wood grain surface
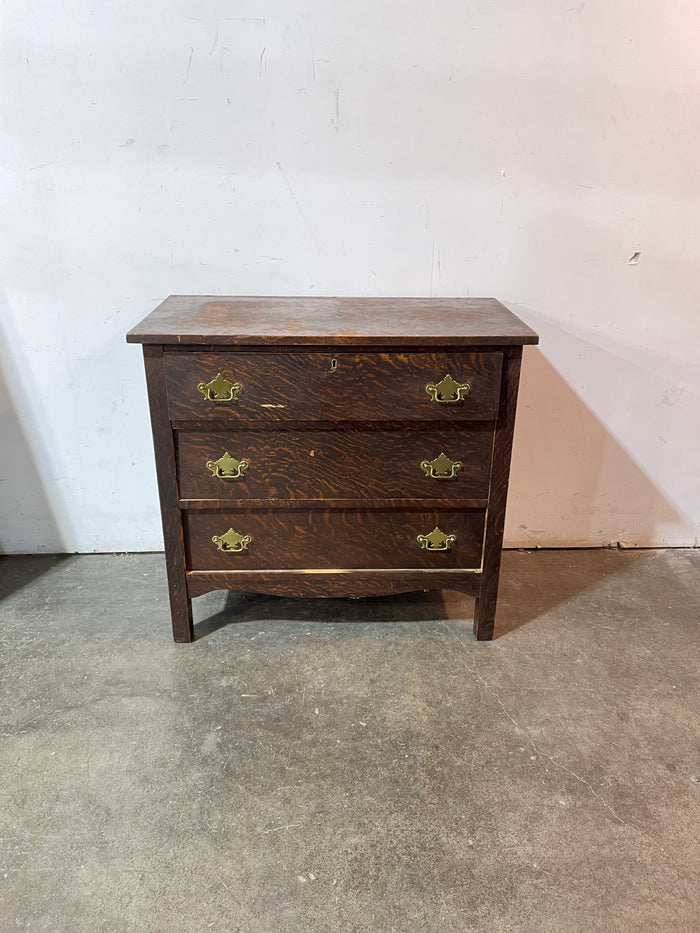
{"x":208,"y":505}
{"x":336,"y":464}
{"x":310,"y":386}
{"x":303,"y":321}
{"x":180,"y":602}
{"x":333,"y":412}
{"x":485,"y":610}
{"x":333,"y":539}
{"x":348,"y":583}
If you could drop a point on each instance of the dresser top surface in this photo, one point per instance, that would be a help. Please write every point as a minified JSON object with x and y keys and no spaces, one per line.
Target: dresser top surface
{"x":204,"y":319}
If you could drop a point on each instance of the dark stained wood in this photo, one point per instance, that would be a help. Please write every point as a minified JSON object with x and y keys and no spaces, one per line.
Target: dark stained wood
{"x":485,"y":610}
{"x":299,"y":321}
{"x":363,"y":386}
{"x":180,"y":604}
{"x":335,"y":464}
{"x":340,"y":539}
{"x":348,"y":583}
{"x":343,"y":520}
{"x":208,"y":505}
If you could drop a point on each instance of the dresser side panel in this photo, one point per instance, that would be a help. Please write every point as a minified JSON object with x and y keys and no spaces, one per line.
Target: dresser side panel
{"x":180,"y":605}
{"x":485,"y":609}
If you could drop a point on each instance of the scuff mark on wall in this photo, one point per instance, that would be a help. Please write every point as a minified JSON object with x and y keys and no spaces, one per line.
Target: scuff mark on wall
{"x":336,"y":122}
{"x":189,"y":65}
{"x":672,"y":396}
{"x":434,"y":260}
{"x":311,"y":46}
{"x":296,"y":201}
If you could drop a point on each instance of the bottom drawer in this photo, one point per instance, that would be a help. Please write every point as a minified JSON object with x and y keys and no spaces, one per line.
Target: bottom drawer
{"x":334,"y":539}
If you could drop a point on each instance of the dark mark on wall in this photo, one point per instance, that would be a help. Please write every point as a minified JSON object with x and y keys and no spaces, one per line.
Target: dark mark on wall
{"x":187,"y":69}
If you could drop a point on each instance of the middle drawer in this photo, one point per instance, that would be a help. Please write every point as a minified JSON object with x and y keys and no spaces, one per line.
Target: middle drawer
{"x":335,"y":464}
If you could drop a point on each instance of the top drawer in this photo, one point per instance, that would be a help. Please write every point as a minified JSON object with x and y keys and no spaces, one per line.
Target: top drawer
{"x":331,"y":386}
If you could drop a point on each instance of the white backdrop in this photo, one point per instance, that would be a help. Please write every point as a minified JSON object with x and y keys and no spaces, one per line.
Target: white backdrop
{"x":461,"y":147}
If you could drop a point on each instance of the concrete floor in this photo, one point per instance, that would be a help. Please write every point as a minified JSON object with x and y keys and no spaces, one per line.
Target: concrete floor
{"x":352,"y":765}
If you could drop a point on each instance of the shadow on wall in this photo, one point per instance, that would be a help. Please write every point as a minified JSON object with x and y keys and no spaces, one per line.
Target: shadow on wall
{"x":26,"y":513}
{"x":573,"y":484}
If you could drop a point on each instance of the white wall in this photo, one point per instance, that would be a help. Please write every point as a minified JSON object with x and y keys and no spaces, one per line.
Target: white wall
{"x":523,"y":150}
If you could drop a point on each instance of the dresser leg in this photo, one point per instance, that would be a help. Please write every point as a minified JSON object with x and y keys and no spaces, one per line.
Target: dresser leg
{"x":484,"y":614}
{"x":181,"y":612}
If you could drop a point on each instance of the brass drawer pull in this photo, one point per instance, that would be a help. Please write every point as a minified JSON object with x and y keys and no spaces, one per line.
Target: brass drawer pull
{"x":232,"y":541}
{"x":441,"y":467}
{"x":448,"y":390}
{"x":436,"y":541}
{"x":227,"y":467}
{"x":220,"y":389}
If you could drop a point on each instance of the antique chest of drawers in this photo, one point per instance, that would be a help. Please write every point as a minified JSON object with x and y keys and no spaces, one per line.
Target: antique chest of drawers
{"x":332,"y":446}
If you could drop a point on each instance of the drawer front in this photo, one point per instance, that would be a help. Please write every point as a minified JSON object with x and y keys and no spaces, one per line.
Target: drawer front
{"x":334,"y":539}
{"x":335,"y":464}
{"x":328,"y":386}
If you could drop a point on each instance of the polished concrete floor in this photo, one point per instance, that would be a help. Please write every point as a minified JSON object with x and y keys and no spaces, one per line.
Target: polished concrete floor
{"x":352,"y":765}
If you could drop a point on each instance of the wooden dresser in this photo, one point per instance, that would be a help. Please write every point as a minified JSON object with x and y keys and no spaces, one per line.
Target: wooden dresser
{"x":332,"y":446}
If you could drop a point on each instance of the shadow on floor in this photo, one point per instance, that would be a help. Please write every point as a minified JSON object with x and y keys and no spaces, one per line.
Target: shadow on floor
{"x":235,"y":608}
{"x":529,"y":588}
{"x":17,"y":571}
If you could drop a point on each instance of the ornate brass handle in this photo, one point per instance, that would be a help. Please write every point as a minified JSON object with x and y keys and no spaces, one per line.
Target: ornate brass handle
{"x":232,"y":541}
{"x":436,"y":541}
{"x":448,"y":390}
{"x":227,"y":467}
{"x":220,"y":389}
{"x":441,"y":467}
